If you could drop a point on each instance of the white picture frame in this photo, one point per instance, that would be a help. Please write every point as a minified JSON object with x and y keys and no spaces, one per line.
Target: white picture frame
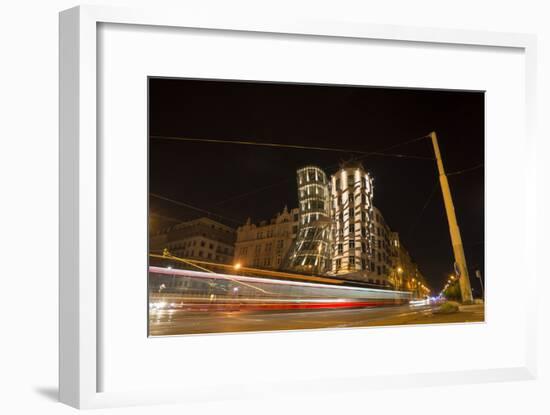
{"x":79,"y":166}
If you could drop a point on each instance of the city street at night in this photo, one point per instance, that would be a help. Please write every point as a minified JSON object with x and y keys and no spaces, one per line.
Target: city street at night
{"x":296,"y":206}
{"x":179,"y":321}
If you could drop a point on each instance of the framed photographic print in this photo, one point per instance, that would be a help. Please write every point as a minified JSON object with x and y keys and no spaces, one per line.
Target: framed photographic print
{"x":227,"y":253}
{"x":306,"y":192}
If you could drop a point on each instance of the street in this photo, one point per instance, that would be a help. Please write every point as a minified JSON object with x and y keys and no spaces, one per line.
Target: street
{"x":178,"y":321}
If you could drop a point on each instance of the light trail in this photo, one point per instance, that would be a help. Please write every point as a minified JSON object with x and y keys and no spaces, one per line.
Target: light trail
{"x":205,"y":269}
{"x":259,"y":271}
{"x":213,"y":275}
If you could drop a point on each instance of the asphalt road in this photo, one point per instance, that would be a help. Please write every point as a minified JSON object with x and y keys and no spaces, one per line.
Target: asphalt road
{"x":173,"y":322}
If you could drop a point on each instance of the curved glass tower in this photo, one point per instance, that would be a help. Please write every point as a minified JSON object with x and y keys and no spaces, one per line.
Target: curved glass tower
{"x":311,"y":250}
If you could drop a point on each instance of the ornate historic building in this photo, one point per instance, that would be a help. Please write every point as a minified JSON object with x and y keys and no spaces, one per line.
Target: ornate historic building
{"x":204,"y":239}
{"x":265,"y":245}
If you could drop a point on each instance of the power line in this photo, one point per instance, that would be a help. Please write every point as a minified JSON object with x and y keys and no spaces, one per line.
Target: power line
{"x":250,"y":192}
{"x":428,"y":200}
{"x":170,"y":218}
{"x":295,"y":146}
{"x":465,"y":170}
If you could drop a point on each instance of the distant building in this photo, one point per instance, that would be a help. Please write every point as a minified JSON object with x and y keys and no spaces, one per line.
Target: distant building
{"x":404,"y":272}
{"x":203,"y":239}
{"x":381,"y":269}
{"x":265,"y":245}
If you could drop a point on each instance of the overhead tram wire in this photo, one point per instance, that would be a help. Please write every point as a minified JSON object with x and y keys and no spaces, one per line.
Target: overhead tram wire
{"x":299,"y":147}
{"x":469,"y":169}
{"x":169,"y":218}
{"x":455,"y":173}
{"x":177,"y":202}
{"x":365,"y":155}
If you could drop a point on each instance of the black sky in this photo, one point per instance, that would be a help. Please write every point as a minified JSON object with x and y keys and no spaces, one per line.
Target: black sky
{"x":360,"y":118}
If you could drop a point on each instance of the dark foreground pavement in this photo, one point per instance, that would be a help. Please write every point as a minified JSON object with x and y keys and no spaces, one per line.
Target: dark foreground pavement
{"x":171,"y":322}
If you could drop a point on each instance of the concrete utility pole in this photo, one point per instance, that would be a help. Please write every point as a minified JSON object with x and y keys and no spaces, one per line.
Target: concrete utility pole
{"x":458,"y":249}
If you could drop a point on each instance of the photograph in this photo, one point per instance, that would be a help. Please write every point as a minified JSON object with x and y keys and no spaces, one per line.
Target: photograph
{"x":288,"y":206}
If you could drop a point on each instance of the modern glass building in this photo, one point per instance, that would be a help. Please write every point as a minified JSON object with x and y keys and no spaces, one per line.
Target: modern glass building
{"x":311,"y":250}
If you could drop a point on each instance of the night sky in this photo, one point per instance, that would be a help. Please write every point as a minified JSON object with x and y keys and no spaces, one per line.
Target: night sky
{"x":238,"y":181}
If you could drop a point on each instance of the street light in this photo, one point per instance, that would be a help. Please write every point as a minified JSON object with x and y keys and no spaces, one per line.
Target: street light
{"x":237,"y":266}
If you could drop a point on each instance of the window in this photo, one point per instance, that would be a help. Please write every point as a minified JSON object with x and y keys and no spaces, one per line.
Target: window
{"x":363,"y":247}
{"x":340,"y":249}
{"x":338,"y":263}
{"x":352,"y":244}
{"x":337,"y":183}
{"x":351,"y":180}
{"x":202,"y":243}
{"x":351,"y":261}
{"x":351,"y":213}
{"x":211,"y":246}
{"x":280,"y":243}
{"x":351,"y":227}
{"x":363,"y":264}
{"x":200,"y":253}
{"x":209,"y":255}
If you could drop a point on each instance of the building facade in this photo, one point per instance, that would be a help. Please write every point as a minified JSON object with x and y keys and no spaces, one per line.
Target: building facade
{"x":311,"y":251}
{"x":352,"y":222}
{"x":265,"y":245}
{"x":203,"y":239}
{"x":335,"y":231}
{"x":381,"y":259}
{"x":404,"y":272}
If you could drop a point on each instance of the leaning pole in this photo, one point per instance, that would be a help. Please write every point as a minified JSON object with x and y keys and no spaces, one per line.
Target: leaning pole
{"x":456,"y":240}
